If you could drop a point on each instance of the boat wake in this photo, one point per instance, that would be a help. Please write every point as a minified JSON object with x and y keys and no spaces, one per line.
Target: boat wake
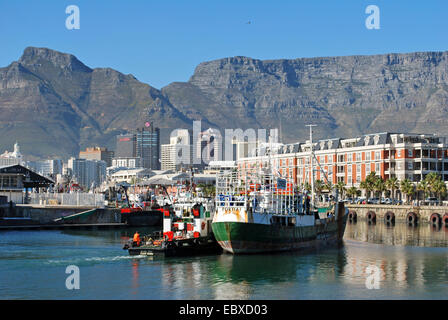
{"x":80,"y":261}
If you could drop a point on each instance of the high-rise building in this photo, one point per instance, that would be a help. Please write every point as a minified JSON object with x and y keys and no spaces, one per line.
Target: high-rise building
{"x":125,"y":146}
{"x":143,"y":143}
{"x":97,"y":153}
{"x":51,"y":167}
{"x":207,"y":147}
{"x":87,"y":172}
{"x":147,"y":146}
{"x":178,"y":153}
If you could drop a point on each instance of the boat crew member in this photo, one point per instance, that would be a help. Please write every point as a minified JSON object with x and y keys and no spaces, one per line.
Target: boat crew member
{"x":137,"y":239}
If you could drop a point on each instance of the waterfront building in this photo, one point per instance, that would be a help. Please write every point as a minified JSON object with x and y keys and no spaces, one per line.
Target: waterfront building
{"x":88,"y":173}
{"x":131,"y":175}
{"x":400,"y":155}
{"x":15,"y":178}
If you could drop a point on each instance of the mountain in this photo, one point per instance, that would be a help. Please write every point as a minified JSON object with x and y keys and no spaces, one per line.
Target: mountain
{"x":54,"y":105}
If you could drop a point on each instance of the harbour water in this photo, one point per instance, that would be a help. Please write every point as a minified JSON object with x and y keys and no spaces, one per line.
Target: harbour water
{"x":412,"y":261}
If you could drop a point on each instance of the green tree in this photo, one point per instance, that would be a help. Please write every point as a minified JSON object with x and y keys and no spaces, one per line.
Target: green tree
{"x":407,"y":188}
{"x":392,"y":184}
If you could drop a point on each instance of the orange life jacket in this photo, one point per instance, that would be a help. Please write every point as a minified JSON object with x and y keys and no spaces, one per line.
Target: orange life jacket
{"x":136,"y":237}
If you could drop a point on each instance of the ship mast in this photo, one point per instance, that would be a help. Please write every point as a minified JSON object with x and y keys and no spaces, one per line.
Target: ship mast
{"x":312,"y":161}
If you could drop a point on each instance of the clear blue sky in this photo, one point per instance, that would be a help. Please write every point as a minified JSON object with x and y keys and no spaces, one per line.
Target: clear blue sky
{"x":162,"y":41}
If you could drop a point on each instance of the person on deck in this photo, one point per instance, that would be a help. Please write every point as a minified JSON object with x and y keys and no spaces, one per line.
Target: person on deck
{"x":136,"y":239}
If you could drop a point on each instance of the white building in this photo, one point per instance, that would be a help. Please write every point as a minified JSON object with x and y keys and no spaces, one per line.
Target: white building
{"x":178,"y":153}
{"x":129,"y":162}
{"x":11,"y":158}
{"x":131,"y":175}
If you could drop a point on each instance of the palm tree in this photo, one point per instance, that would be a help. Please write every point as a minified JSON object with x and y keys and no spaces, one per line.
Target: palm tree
{"x":424,"y":186}
{"x":439,"y":188}
{"x":352,"y":192}
{"x":392,"y":184}
{"x":318,"y":187}
{"x":407,"y":188}
{"x":340,"y":186}
{"x":379,"y":186}
{"x":329,"y":186}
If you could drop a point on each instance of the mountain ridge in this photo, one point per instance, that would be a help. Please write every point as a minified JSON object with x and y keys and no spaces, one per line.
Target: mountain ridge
{"x":55,"y":105}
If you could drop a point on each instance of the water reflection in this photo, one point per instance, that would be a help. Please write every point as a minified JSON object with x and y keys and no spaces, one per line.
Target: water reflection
{"x":398,"y":235}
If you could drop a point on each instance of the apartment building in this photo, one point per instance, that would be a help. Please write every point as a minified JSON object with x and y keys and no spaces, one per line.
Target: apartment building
{"x":401,"y":155}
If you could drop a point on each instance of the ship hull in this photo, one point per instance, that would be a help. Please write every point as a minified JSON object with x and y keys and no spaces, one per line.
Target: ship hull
{"x":242,"y":238}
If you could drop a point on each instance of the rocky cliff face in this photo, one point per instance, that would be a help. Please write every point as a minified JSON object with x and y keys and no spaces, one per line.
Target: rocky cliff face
{"x":54,"y":105}
{"x":345,"y":96}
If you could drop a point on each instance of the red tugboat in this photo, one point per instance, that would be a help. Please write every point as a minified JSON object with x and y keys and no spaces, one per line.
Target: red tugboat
{"x":186,"y":231}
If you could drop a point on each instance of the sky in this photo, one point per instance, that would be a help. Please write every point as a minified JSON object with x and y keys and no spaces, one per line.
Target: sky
{"x":162,"y":41}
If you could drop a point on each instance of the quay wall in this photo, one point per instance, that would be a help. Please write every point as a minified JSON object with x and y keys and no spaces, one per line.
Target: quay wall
{"x":46,"y":215}
{"x":400,"y":212}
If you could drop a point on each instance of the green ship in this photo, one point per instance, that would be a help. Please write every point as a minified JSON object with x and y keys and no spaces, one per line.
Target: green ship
{"x":263,"y":212}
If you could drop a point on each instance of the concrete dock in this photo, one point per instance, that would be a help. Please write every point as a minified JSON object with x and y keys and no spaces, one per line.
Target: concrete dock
{"x":399,"y":213}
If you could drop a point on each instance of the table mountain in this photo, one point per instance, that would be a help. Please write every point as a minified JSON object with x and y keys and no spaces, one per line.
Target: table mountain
{"x":54,"y":105}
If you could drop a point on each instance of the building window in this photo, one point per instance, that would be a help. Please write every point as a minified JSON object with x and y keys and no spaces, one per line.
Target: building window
{"x":368,"y":155}
{"x":377,"y":155}
{"x":377,"y":167}
{"x":410,"y":153}
{"x":358,"y":156}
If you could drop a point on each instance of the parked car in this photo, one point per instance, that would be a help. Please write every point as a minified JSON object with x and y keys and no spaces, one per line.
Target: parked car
{"x":386,"y":201}
{"x":431,"y":201}
{"x":373,"y":201}
{"x":360,"y":200}
{"x":396,"y":201}
{"x":349,"y":200}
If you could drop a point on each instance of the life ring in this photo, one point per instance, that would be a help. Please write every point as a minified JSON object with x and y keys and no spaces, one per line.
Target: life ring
{"x":371,"y":216}
{"x":203,"y":225}
{"x":389,"y":217}
{"x":435,"y":219}
{"x":352,"y":216}
{"x":445,"y":220}
{"x":412,"y":218}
